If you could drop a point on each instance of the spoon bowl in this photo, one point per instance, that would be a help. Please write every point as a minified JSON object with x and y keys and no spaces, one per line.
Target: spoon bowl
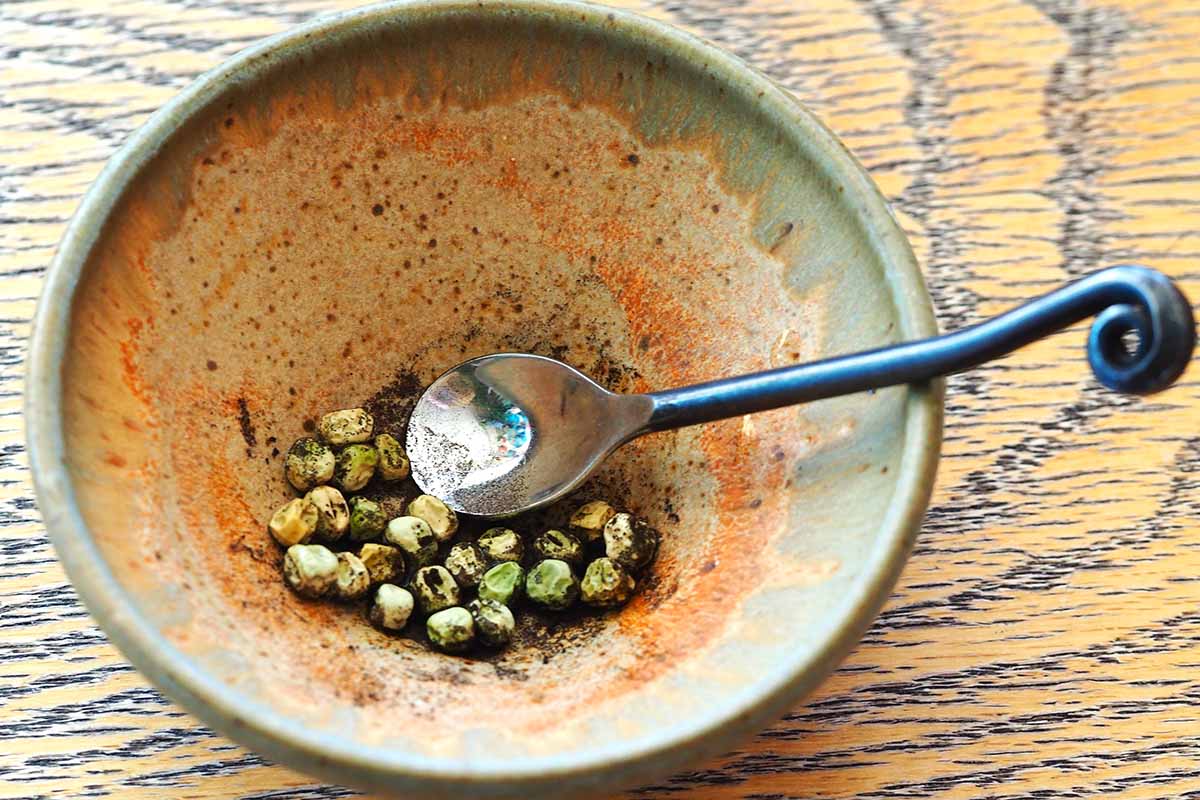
{"x":505,"y":433}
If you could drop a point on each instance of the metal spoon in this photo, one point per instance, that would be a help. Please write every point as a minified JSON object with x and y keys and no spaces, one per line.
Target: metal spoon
{"x":505,"y":433}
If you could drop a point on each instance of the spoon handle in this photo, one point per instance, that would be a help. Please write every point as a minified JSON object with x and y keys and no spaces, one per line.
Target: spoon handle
{"x":1124,"y":299}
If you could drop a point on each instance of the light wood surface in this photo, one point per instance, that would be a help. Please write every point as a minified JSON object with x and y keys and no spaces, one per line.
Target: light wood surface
{"x":1044,"y":641}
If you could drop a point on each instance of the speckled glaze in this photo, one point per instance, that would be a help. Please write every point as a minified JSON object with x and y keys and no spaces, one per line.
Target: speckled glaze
{"x":338,"y":214}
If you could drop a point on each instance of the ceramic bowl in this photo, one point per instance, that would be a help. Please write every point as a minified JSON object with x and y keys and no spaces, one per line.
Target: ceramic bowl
{"x":339,"y":213}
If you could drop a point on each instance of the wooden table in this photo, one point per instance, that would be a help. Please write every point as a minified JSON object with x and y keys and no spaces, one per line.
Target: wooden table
{"x":1045,"y":639}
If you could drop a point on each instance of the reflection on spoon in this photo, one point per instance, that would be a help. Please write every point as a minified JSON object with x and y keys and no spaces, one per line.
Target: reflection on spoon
{"x":473,"y":437}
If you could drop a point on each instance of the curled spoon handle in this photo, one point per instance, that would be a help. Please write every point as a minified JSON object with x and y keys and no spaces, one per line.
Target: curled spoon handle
{"x":1123,"y":299}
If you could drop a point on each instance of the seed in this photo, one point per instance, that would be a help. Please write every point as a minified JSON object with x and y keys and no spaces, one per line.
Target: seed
{"x":391,"y":607}
{"x":353,"y":577}
{"x":563,"y":546}
{"x":346,"y":426}
{"x":333,"y":515}
{"x":310,"y":569}
{"x":294,"y":523}
{"x":494,"y":623}
{"x":393,"y":461}
{"x":589,"y":519}
{"x":465,"y":562}
{"x":414,"y":536}
{"x":451,"y":630}
{"x":606,"y":584}
{"x":367,"y":519}
{"x":630,"y":542}
{"x":384,"y":564}
{"x":435,"y":589}
{"x":309,"y":463}
{"x":552,"y":585}
{"x":355,"y":466}
{"x":504,"y":583}
{"x":501,"y":544}
{"x":442,"y":520}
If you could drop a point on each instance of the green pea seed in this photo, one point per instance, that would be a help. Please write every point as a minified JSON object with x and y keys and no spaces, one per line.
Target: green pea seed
{"x":589,"y":519}
{"x":333,"y":514}
{"x":441,"y":518}
{"x":606,"y":584}
{"x":391,"y":607}
{"x":563,"y":546}
{"x":294,"y":522}
{"x":630,"y":542}
{"x":308,"y":463}
{"x":384,"y":564}
{"x":367,"y":519}
{"x":451,"y":630}
{"x":465,"y":562}
{"x":414,"y":537}
{"x":393,"y":461}
{"x":552,"y":585}
{"x":347,"y":426}
{"x":504,"y":583}
{"x":434,"y":589}
{"x":494,"y":623}
{"x":310,"y":569}
{"x":355,"y":466}
{"x":353,"y":577}
{"x":501,"y":544}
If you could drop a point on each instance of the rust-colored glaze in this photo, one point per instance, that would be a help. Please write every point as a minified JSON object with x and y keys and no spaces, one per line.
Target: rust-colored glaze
{"x":341,"y":234}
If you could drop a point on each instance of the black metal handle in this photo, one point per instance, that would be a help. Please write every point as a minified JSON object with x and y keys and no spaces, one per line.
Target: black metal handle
{"x":1124,"y":299}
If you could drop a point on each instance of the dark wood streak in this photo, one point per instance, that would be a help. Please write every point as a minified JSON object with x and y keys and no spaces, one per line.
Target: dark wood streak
{"x":1081,"y":138}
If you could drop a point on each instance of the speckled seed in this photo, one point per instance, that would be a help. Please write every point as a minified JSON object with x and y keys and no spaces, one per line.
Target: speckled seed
{"x":384,"y":564}
{"x":494,"y":623}
{"x":353,"y":578}
{"x":442,"y":520}
{"x":294,"y":522}
{"x":501,"y":544}
{"x":347,"y":426}
{"x":355,"y":466}
{"x":451,"y":630}
{"x":333,"y":515}
{"x":504,"y":583}
{"x":435,"y":589}
{"x":630,"y":542}
{"x":606,"y":584}
{"x":414,"y":537}
{"x":552,"y":585}
{"x":393,"y":461}
{"x":367,"y":519}
{"x":465,"y":562}
{"x":563,"y":546}
{"x":391,"y":607}
{"x":310,"y":569}
{"x":589,"y":519}
{"x":308,"y":463}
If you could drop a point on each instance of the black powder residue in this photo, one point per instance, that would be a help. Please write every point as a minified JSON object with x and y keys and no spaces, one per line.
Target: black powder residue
{"x":247,"y":426}
{"x":392,"y":404}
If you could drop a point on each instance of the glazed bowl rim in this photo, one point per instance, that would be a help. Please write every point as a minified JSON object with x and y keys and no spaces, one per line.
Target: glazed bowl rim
{"x":245,"y":720}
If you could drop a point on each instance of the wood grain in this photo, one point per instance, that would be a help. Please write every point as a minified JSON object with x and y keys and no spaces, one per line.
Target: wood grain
{"x":1045,"y":638}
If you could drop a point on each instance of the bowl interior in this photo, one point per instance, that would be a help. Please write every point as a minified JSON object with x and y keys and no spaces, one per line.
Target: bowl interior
{"x":355,"y":211}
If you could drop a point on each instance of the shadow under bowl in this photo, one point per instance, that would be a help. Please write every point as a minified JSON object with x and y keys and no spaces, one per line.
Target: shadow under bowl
{"x":338,"y":214}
